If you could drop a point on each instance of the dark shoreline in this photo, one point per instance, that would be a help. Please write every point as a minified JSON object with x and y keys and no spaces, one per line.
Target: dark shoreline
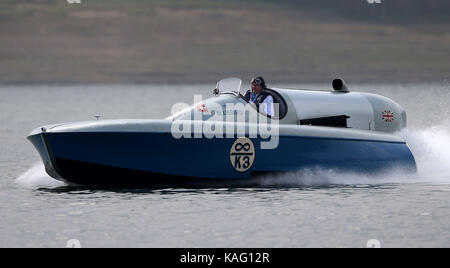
{"x":197,"y":42}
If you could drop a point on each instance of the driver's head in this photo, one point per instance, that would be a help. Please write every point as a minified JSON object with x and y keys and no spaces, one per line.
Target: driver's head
{"x":258,"y":84}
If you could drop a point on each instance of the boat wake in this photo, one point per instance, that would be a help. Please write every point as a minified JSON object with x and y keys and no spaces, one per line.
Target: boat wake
{"x":429,"y":146}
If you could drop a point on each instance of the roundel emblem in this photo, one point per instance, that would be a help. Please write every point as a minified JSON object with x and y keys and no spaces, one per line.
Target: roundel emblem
{"x":242,"y":154}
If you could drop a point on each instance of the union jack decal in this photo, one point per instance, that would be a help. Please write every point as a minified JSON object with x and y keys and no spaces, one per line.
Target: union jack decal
{"x":388,"y":116}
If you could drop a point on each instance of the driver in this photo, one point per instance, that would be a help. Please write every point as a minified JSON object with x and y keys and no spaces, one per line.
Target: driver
{"x":260,"y":96}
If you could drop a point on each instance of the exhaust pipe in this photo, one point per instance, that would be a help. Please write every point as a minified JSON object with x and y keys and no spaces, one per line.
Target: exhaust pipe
{"x":339,"y":85}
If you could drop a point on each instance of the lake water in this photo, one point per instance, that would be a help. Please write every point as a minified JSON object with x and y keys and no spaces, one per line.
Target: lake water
{"x":302,"y":209}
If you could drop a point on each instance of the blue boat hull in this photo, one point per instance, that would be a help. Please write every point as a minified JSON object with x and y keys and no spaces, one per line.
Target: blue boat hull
{"x":122,"y":157}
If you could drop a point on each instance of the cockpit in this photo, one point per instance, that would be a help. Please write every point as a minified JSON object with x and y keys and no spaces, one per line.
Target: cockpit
{"x":233,"y":86}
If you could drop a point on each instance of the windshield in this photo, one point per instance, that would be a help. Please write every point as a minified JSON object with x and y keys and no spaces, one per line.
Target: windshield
{"x":230,"y":85}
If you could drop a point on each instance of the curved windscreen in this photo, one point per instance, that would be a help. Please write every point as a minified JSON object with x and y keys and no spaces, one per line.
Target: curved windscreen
{"x":230,"y":85}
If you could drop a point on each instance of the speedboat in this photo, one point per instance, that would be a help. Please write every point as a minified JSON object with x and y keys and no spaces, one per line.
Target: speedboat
{"x":226,"y":138}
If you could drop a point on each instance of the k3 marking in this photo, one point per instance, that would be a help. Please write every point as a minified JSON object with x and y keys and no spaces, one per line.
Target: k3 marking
{"x":242,"y":154}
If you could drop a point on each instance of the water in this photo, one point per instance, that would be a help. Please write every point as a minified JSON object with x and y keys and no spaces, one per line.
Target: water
{"x":308,"y":208}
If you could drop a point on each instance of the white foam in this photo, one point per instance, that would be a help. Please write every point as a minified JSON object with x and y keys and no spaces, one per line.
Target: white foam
{"x":37,"y":177}
{"x":431,"y":148}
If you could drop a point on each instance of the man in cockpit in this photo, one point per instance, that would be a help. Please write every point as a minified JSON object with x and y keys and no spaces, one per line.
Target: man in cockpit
{"x":260,"y":97}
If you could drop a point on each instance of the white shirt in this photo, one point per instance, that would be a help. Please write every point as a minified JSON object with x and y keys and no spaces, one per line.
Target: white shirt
{"x":266,"y":106}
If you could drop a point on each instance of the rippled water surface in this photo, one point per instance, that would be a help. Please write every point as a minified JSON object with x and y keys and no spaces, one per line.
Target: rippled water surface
{"x":303,"y":209}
